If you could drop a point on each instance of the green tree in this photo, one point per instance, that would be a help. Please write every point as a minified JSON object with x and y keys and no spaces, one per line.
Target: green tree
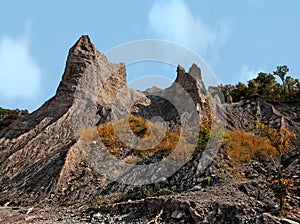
{"x":281,"y":72}
{"x":291,"y":86}
{"x":227,"y":90}
{"x":297,"y":88}
{"x":239,"y":92}
{"x":277,"y":92}
{"x":252,"y":88}
{"x":8,"y":116}
{"x":265,"y":84}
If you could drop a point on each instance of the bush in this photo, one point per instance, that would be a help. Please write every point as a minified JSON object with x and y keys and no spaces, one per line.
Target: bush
{"x":147,"y":132}
{"x":242,"y":147}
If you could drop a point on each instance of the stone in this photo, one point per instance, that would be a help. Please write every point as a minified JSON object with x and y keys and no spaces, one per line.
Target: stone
{"x":287,"y":221}
{"x":177,"y":214}
{"x":272,"y":207}
{"x":229,"y":99}
{"x":196,"y":188}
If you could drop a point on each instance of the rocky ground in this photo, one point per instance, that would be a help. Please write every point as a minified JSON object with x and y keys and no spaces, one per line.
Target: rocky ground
{"x":220,"y":197}
{"x":218,"y":204}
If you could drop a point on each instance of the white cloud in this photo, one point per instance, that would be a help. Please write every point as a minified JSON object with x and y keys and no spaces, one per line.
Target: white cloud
{"x":20,"y":75}
{"x":247,"y":73}
{"x":174,"y":21}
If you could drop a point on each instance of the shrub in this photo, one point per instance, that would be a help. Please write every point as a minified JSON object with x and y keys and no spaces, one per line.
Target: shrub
{"x":280,"y":139}
{"x":157,"y":193}
{"x":242,"y":147}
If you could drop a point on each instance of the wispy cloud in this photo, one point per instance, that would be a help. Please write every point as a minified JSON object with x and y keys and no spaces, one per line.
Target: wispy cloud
{"x":247,"y":73}
{"x":20,"y":74}
{"x":173,"y":20}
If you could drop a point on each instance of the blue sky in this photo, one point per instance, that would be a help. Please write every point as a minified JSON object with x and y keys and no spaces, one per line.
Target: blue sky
{"x":236,"y":38}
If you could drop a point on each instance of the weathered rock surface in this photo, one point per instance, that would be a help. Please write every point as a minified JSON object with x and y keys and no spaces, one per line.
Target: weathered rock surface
{"x":46,"y":159}
{"x":40,"y":152}
{"x":43,"y":156}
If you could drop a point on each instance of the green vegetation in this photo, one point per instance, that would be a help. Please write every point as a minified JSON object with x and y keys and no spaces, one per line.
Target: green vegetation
{"x":8,"y":116}
{"x":157,"y":193}
{"x":265,"y":86}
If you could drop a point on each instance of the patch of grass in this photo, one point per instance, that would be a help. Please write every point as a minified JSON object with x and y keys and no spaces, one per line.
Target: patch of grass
{"x":204,"y":134}
{"x":159,"y":192}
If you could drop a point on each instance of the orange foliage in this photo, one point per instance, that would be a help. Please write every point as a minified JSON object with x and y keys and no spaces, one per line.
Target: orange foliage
{"x":242,"y":147}
{"x":279,"y":139}
{"x":153,"y":137}
{"x":138,"y":124}
{"x":108,"y":137}
{"x":142,"y":128}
